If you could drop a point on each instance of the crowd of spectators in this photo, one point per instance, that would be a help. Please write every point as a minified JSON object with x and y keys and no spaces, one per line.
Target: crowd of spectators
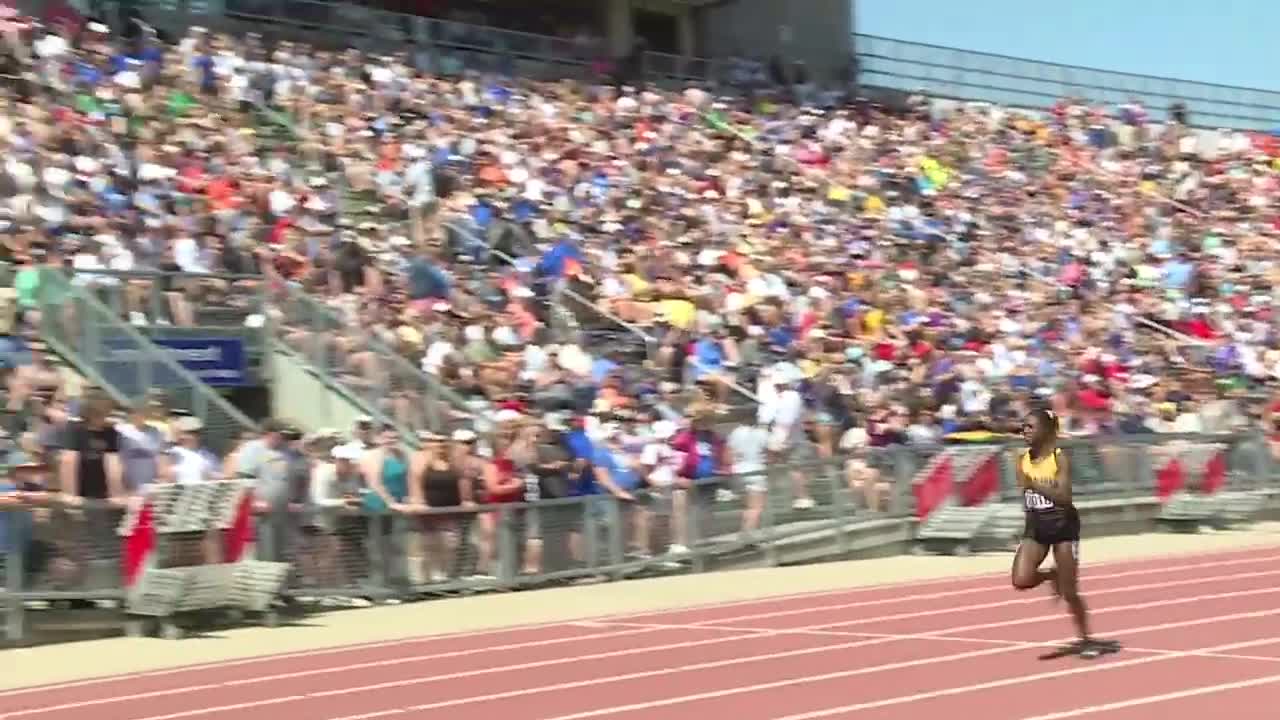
{"x":627,"y":287}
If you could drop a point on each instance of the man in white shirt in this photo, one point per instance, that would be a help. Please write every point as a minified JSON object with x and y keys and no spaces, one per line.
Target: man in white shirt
{"x":784,"y":414}
{"x":748,"y":447}
{"x":188,"y":462}
{"x":661,"y":464}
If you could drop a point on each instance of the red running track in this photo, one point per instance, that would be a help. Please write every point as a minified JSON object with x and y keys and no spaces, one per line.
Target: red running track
{"x":1201,"y":635}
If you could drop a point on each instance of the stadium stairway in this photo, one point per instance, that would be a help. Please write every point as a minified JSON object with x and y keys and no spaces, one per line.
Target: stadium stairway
{"x":311,"y":386}
{"x":112,"y":354}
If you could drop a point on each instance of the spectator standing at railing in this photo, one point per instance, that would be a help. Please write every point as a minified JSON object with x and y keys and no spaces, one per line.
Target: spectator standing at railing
{"x":782,"y":409}
{"x":18,"y":491}
{"x":703,"y":457}
{"x":503,"y":483}
{"x":748,"y":449}
{"x":385,"y":468}
{"x":189,"y":461}
{"x":434,"y":483}
{"x":263,"y":461}
{"x":34,"y":375}
{"x":90,"y":466}
{"x":335,"y":531}
{"x":142,"y":449}
{"x":91,"y":483}
{"x":469,"y":461}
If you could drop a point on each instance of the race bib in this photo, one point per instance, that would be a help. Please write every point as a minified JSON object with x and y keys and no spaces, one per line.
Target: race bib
{"x":1036,"y":501}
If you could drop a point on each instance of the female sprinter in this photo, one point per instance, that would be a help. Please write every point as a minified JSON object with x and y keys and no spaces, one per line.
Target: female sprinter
{"x":1052,"y":524}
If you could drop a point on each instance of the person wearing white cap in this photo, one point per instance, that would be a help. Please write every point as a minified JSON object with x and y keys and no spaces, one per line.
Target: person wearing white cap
{"x":661,"y":464}
{"x":188,"y":462}
{"x":334,"y":483}
{"x":465,"y":457}
{"x":434,"y":482}
{"x":783,"y":416}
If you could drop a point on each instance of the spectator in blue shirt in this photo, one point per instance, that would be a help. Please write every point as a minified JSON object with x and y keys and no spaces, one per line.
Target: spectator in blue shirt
{"x":582,"y":452}
{"x":611,"y":472}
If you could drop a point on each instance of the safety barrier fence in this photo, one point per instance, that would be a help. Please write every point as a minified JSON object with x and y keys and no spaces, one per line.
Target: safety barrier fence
{"x":1151,"y":466}
{"x":155,"y":550}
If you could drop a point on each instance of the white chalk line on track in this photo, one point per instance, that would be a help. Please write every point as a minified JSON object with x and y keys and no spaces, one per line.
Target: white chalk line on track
{"x":973,"y":640}
{"x":1153,"y":699}
{"x":1027,"y":598}
{"x":994,"y":684}
{"x":1172,"y":563}
{"x":719,"y":663}
{"x":647,"y":628}
{"x":666,"y":702}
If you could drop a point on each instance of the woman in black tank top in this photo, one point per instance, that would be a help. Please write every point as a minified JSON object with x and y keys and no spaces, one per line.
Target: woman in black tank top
{"x":435,"y":484}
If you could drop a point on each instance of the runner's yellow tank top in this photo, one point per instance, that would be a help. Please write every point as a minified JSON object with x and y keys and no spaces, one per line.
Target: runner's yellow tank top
{"x":1043,"y":470}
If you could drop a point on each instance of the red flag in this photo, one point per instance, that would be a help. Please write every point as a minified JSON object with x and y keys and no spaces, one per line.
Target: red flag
{"x":983,"y":483}
{"x":1169,"y":480}
{"x":240,"y":533}
{"x":934,"y":489}
{"x":139,"y":546}
{"x":1215,"y":474}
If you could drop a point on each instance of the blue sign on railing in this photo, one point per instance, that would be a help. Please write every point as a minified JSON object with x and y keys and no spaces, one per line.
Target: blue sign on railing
{"x":218,"y":361}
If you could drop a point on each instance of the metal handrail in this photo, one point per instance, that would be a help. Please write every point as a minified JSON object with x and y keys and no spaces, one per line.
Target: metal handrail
{"x":466,"y":37}
{"x":398,"y":364}
{"x":966,"y":74}
{"x":204,"y":402}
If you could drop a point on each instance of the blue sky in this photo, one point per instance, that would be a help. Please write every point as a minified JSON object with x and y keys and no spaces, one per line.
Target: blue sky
{"x":1224,"y":41}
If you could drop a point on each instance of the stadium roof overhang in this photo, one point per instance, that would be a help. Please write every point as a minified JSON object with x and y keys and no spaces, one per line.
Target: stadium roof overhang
{"x":702,"y":3}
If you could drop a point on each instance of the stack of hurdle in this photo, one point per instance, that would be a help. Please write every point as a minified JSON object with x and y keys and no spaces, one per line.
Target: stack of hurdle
{"x":218,"y":515}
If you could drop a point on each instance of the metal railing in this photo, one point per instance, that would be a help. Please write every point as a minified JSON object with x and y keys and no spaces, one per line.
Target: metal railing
{"x":364,"y":365}
{"x":1018,"y":82}
{"x":450,"y":46}
{"x":573,"y":315}
{"x":182,"y":304}
{"x":115,"y":355}
{"x":346,"y":550}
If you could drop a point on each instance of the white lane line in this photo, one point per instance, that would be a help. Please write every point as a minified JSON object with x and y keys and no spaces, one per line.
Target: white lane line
{"x":986,"y":588}
{"x":1163,"y":564}
{"x":1007,"y":682}
{"x":1171,"y":563}
{"x":1026,"y":598}
{"x":631,"y":629}
{"x":785,"y":654}
{"x":987,"y":641}
{"x":1152,"y":699}
{"x":805,"y":679}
